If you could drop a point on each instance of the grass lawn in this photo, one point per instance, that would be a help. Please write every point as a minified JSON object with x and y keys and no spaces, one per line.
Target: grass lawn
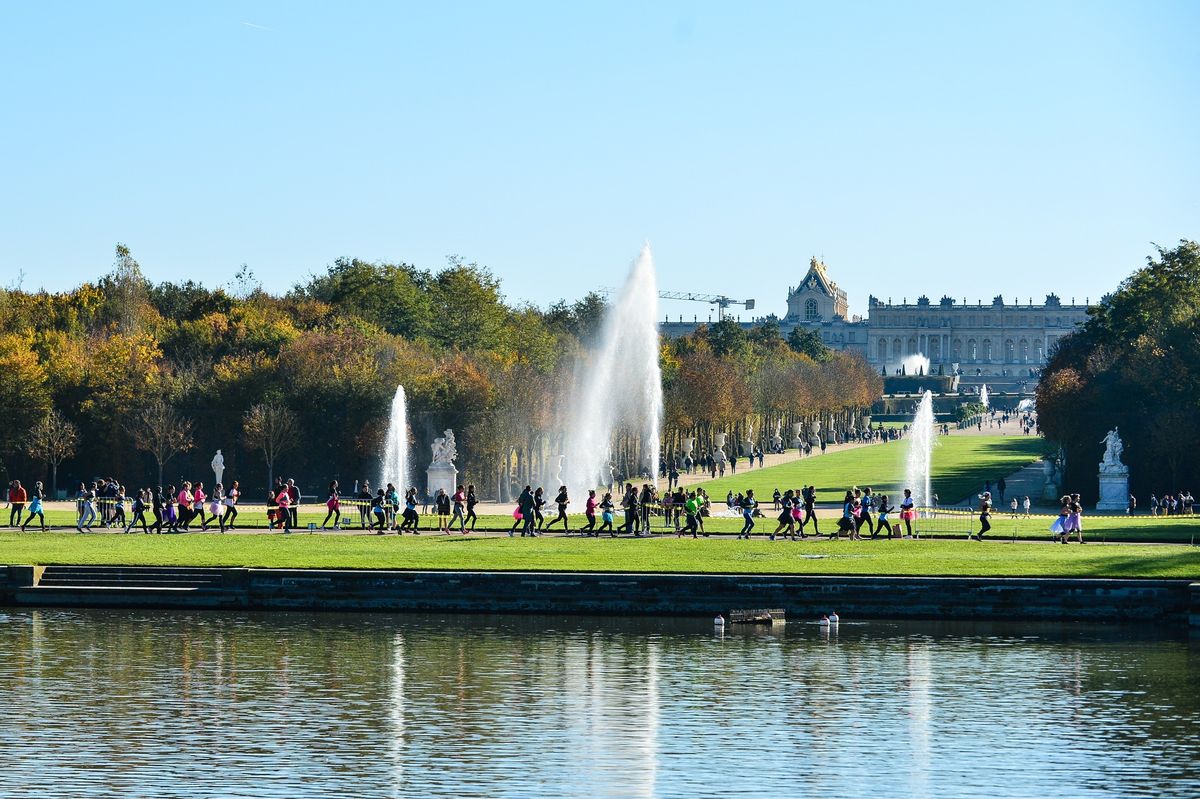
{"x":961,"y":465}
{"x":719,"y":555}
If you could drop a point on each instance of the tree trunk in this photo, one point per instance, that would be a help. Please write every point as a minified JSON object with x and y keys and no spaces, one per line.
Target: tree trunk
{"x":54,"y":481}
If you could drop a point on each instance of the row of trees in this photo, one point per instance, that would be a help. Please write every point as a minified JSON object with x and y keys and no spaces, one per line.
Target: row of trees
{"x":1135,"y":364}
{"x":145,"y":381}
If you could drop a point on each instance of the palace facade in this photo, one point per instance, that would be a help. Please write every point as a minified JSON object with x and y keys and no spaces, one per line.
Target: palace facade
{"x":996,"y":339}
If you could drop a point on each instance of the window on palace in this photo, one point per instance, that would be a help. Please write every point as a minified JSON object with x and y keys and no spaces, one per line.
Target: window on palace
{"x":810,"y":310}
{"x":882,"y":346}
{"x":987,"y":349}
{"x":972,"y":350}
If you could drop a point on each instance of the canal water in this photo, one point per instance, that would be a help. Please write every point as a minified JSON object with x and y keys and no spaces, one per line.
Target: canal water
{"x":200,"y":704}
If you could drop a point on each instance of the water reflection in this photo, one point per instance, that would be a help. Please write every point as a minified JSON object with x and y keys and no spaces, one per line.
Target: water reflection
{"x":203,"y":704}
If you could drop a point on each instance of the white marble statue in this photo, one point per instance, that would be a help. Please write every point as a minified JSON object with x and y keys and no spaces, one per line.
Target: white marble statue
{"x":444,"y":450}
{"x":218,"y":466}
{"x":1113,"y":447}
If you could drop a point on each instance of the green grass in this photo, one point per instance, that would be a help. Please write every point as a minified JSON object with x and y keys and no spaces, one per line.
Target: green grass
{"x":724,"y":555}
{"x":961,"y":465}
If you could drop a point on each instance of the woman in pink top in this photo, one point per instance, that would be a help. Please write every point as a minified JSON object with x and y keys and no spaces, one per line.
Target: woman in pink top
{"x":185,"y":506}
{"x":283,"y":501}
{"x":198,"y":497}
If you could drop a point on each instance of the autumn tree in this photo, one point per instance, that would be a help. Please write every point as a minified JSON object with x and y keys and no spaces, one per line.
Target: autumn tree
{"x":272,"y":427}
{"x":163,"y":432}
{"x":51,"y":441}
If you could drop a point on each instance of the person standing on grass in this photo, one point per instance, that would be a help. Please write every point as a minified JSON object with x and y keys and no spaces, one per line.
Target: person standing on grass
{"x":985,"y":513}
{"x":35,"y":506}
{"x":363,"y":498}
{"x":747,"y":504}
{"x":332,"y":506}
{"x":561,"y":500}
{"x":1131,"y":509}
{"x":231,"y":511}
{"x":629,"y":505}
{"x":908,"y":513}
{"x":1014,"y":507}
{"x":472,"y":501}
{"x":1027,"y":504}
{"x":16,"y":503}
{"x":785,"y":515}
{"x":646,"y":502}
{"x":606,"y":512}
{"x":589,"y":513}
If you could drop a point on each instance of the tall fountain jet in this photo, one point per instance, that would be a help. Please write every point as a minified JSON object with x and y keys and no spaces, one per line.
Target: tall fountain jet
{"x":983,"y":395}
{"x":618,"y":386}
{"x":920,"y":452}
{"x":395,"y":449}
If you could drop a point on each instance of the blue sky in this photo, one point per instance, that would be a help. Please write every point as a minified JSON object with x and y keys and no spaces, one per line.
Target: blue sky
{"x":972,"y":148}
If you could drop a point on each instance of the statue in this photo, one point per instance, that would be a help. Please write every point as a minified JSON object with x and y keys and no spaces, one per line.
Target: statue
{"x":218,"y":466}
{"x":1114,"y":475}
{"x":444,"y":450}
{"x":441,"y":473}
{"x":1112,"y":452}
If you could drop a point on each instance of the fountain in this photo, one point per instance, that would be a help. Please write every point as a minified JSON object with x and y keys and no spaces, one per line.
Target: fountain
{"x":618,"y":390}
{"x":916,"y":364}
{"x":983,"y":395}
{"x":920,"y":452}
{"x":395,"y":449}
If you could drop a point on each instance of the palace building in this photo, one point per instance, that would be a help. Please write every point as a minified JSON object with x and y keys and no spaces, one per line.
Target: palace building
{"x":999,"y":339}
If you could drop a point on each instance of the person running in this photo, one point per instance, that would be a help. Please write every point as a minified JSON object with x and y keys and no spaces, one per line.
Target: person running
{"x":391,"y":505}
{"x":882,"y":522}
{"x":459,"y":501}
{"x":561,"y":500}
{"x":539,"y":502}
{"x":412,"y":519}
{"x":198,"y":497}
{"x":846,"y":521}
{"x":908,"y":513}
{"x":88,"y":517}
{"x":333,"y":507}
{"x":1076,"y":518}
{"x":171,"y":514}
{"x":810,"y":507}
{"x":138,"y":515}
{"x":216,"y":505}
{"x":283,"y":502}
{"x":589,"y":513}
{"x":378,"y":513}
{"x":293,"y":506}
{"x":17,"y":496}
{"x":629,"y":503}
{"x":231,"y":511}
{"x":184,"y":509}
{"x":472,"y":501}
{"x":985,"y":513}
{"x":691,"y":507}
{"x":866,"y":505}
{"x":785,"y":515}
{"x":606,"y":516}
{"x":118,"y":509}
{"x":748,"y":504}
{"x":35,"y":506}
{"x":441,"y":504}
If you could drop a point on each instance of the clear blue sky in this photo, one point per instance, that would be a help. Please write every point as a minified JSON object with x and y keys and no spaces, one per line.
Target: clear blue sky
{"x":972,"y":148}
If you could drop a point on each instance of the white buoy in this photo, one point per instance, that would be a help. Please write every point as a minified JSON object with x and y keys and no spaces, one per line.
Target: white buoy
{"x":719,"y":621}
{"x":824,"y":622}
{"x":833,"y":618}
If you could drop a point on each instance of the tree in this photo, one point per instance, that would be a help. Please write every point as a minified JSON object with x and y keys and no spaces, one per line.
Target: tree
{"x":727,"y":337}
{"x":126,"y":292}
{"x":163,"y":432}
{"x":808,"y":342}
{"x":272,"y":427}
{"x":52,"y":441}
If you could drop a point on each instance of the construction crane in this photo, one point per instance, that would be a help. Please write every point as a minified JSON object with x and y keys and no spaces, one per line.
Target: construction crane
{"x":720,"y":300}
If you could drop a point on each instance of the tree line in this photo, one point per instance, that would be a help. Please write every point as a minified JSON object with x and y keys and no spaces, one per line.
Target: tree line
{"x":145,"y":381}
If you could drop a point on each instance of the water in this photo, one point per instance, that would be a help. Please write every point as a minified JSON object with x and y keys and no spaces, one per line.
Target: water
{"x":395,"y":448}
{"x":921,"y":441}
{"x":983,"y":395}
{"x":201,"y":704}
{"x":916,"y":364}
{"x":618,"y":390}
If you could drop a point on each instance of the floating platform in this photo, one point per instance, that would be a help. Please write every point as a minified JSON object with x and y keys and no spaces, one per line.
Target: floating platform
{"x":757,"y":616}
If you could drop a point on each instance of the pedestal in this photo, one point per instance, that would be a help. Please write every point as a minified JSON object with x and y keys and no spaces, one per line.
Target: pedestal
{"x":1114,"y":491}
{"x":443,"y":476}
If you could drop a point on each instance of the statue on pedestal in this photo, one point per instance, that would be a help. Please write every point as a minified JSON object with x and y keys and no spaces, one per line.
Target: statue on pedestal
{"x":1113,"y":474}
{"x":442,"y":472}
